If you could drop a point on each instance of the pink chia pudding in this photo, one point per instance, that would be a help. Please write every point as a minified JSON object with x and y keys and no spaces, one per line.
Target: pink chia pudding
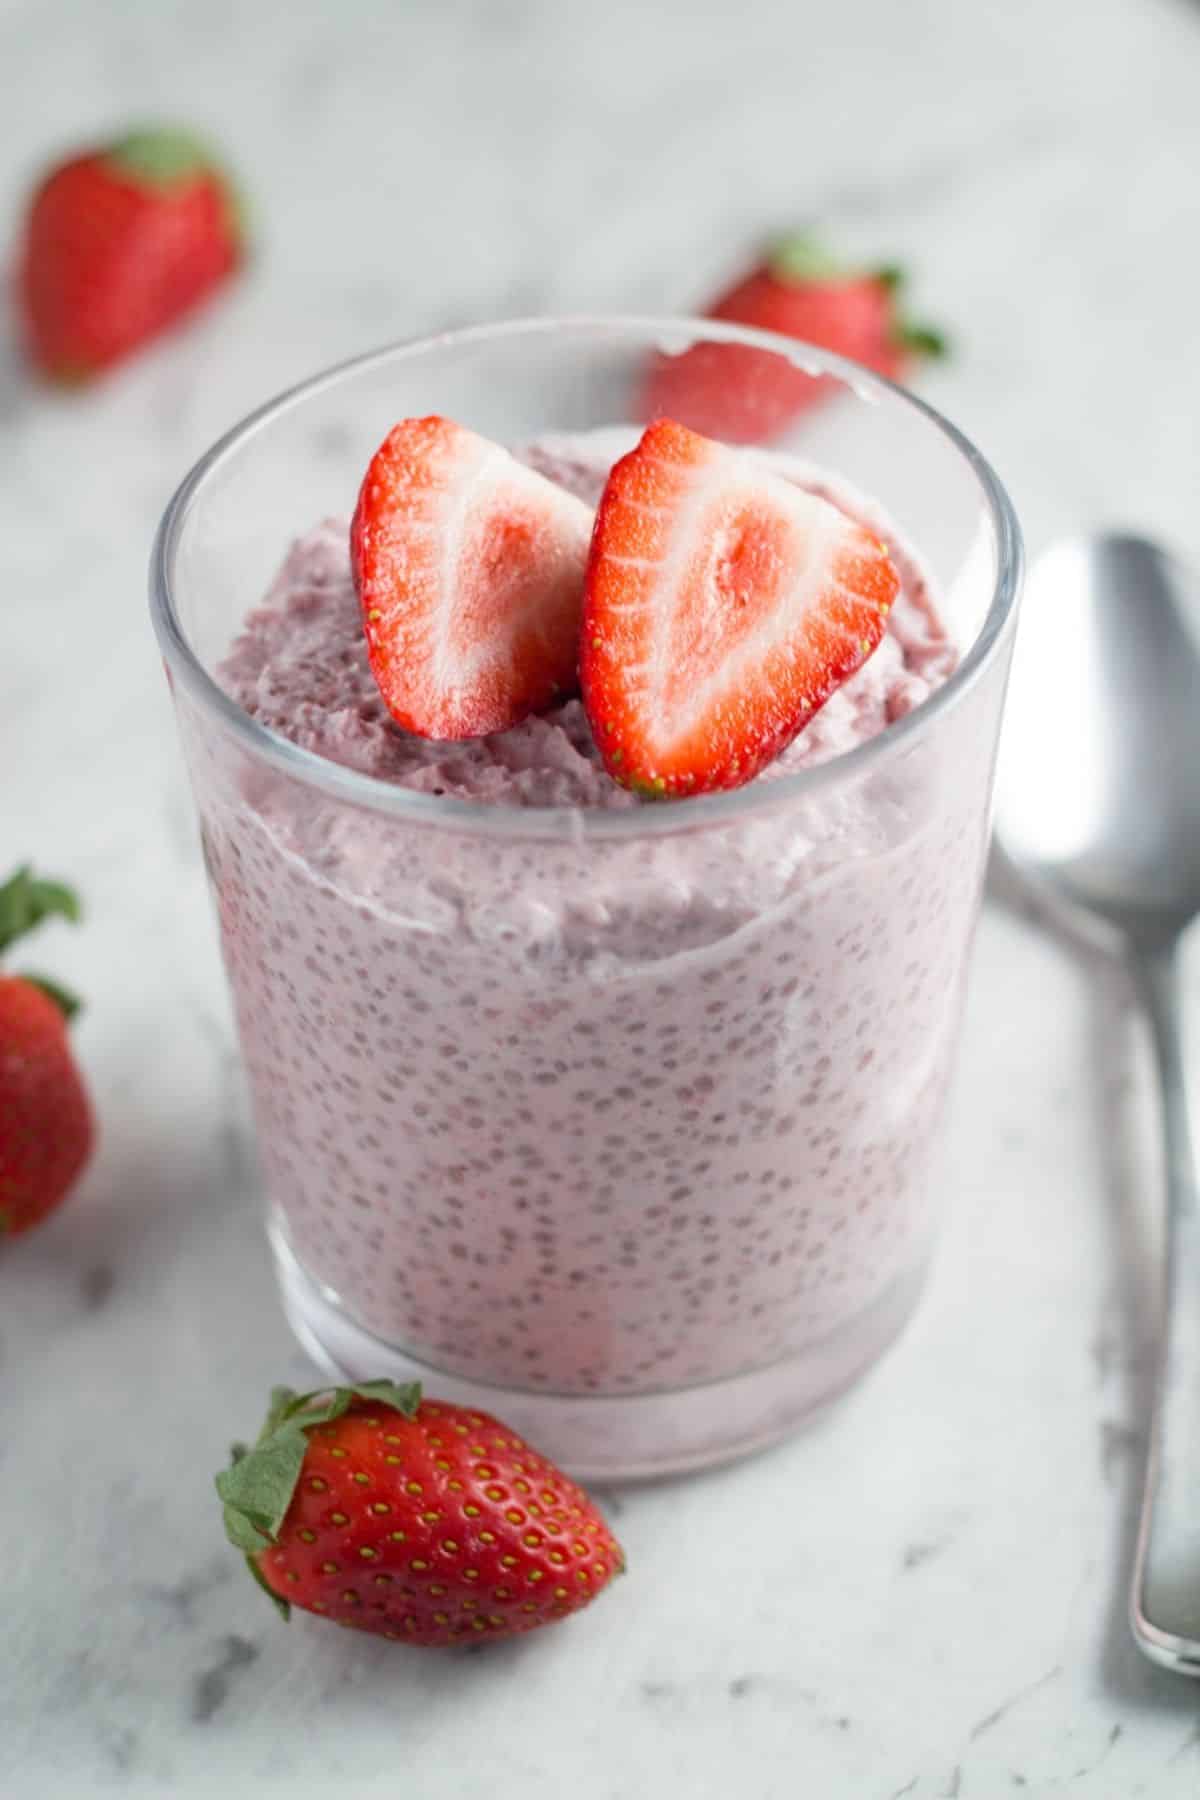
{"x":587,"y":1115}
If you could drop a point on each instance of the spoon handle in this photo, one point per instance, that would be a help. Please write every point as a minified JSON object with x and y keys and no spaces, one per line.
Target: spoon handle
{"x":1165,"y":1603}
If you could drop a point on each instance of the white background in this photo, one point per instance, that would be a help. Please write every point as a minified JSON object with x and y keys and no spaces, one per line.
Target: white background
{"x":924,"y":1595}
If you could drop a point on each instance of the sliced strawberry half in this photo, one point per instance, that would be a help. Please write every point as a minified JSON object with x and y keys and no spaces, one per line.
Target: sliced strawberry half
{"x":723,"y":607}
{"x":469,"y":567}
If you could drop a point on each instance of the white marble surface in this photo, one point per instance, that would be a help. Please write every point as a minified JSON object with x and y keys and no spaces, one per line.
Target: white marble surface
{"x":939,"y":1612}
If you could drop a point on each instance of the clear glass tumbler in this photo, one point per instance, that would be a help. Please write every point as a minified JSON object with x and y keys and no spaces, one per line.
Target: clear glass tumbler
{"x":616,"y":1123}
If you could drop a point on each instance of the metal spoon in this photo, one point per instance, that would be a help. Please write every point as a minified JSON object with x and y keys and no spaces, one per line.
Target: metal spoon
{"x":1098,"y":804}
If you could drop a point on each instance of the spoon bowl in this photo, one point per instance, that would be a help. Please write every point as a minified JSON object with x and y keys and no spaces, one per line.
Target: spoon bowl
{"x":1098,"y":788}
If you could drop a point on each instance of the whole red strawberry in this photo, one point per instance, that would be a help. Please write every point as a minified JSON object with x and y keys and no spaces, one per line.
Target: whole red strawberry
{"x":46,"y":1129}
{"x":119,"y":243}
{"x":411,"y":1518}
{"x":748,"y":396}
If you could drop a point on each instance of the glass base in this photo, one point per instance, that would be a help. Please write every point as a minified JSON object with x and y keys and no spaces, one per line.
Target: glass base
{"x":618,"y":1437}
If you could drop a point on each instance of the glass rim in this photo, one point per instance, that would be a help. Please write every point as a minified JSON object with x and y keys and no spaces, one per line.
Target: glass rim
{"x":572,"y":822}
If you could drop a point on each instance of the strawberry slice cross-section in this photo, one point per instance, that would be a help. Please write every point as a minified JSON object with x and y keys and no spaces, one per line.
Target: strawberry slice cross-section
{"x":469,"y":568}
{"x":723,"y":606}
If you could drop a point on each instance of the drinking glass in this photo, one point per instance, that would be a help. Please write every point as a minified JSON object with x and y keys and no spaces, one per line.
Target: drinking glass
{"x":615,"y":1122}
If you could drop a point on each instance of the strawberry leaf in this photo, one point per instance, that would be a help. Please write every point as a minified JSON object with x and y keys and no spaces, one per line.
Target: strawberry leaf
{"x":257,"y":1490}
{"x":25,"y":902}
{"x":161,"y":156}
{"x":402,"y":1399}
{"x":324,"y":1404}
{"x":802,"y":257}
{"x":891,"y":276}
{"x":242,"y":1534}
{"x":282,"y":1402}
{"x":277,"y":1600}
{"x":67,"y":1003}
{"x":923,"y":340}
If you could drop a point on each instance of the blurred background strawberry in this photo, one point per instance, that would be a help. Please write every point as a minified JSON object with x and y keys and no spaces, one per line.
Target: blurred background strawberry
{"x":120,"y":243}
{"x":800,"y":290}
